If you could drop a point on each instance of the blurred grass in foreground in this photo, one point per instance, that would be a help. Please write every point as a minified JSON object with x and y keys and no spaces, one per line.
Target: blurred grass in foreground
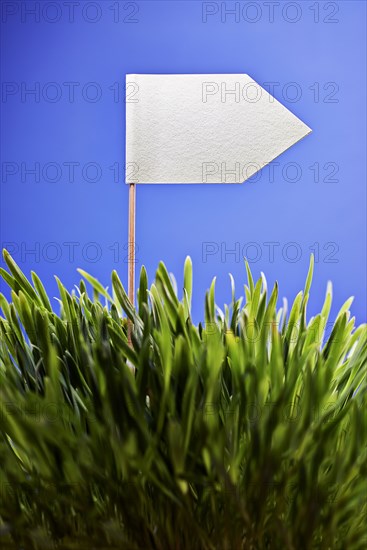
{"x":247,"y":431}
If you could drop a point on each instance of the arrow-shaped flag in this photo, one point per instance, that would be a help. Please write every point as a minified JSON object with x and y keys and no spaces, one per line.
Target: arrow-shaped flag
{"x":197,"y":128}
{"x":200,"y":128}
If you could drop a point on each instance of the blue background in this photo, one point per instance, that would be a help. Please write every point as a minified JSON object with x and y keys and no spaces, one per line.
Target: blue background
{"x":322,"y":50}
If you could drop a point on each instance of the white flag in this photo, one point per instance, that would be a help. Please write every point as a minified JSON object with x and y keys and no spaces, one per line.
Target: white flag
{"x":203,"y":128}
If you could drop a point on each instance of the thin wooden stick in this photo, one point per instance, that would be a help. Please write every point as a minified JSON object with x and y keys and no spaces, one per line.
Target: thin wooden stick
{"x":131,"y":253}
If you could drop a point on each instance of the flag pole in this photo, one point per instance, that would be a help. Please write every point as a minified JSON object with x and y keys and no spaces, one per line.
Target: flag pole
{"x":131,"y":254}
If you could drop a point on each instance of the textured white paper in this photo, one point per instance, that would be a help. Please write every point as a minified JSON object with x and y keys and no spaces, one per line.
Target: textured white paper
{"x":204,"y":128}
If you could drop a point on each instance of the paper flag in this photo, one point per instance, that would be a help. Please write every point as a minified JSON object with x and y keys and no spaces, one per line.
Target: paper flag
{"x":203,"y":128}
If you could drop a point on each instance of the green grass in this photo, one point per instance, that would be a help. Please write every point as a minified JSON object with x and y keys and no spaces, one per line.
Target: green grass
{"x":247,"y":431}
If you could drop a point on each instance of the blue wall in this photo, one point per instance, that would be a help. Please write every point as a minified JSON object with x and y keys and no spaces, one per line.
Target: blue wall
{"x":72,"y":210}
